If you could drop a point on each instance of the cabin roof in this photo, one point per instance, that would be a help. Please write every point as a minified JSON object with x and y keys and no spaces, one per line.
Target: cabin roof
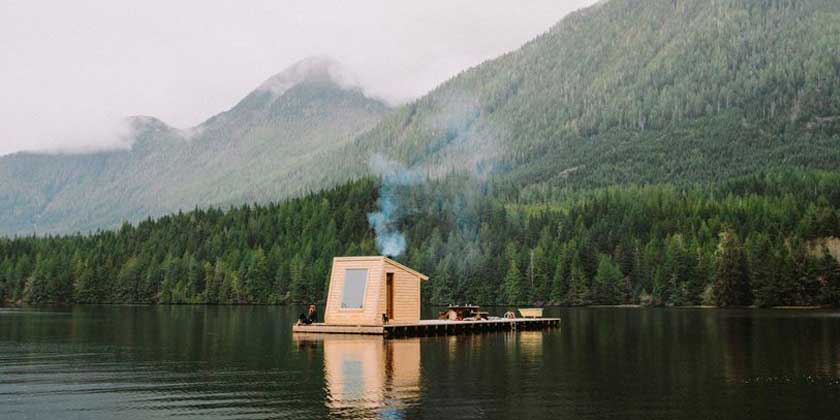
{"x":416,"y":273}
{"x":384,"y":259}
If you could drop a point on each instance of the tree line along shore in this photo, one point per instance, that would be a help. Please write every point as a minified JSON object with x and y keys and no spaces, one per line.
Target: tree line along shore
{"x":764,"y":240}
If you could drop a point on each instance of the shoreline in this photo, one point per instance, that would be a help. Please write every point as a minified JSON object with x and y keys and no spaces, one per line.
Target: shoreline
{"x":20,"y":305}
{"x":782,"y":308}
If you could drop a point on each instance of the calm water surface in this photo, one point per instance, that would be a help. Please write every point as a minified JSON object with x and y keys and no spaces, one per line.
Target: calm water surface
{"x":145,"y":362}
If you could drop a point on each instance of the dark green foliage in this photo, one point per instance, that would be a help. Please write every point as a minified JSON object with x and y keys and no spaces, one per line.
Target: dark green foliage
{"x":485,"y":242}
{"x":830,"y":271}
{"x":579,"y":293}
{"x":608,"y":282}
{"x":635,"y":91}
{"x":732,"y":282}
{"x":512,"y":287}
{"x":205,"y":256}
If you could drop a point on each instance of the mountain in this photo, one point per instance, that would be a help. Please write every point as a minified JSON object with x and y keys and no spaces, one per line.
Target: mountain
{"x":637,"y":91}
{"x":655,"y":152}
{"x":253,"y":152}
{"x":626,"y":91}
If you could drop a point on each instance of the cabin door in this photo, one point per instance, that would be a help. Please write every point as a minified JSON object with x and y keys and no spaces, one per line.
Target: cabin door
{"x":389,"y":296}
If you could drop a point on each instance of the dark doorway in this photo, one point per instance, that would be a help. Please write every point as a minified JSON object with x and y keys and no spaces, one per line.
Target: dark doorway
{"x":389,"y":296}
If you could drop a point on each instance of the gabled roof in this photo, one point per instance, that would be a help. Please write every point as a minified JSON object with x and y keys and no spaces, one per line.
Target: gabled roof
{"x":384,"y":259}
{"x":416,"y":273}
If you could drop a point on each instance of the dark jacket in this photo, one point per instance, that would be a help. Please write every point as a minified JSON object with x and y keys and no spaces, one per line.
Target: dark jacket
{"x":309,"y":317}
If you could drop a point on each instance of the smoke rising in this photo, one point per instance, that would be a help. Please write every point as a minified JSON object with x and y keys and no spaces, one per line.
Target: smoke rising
{"x":390,"y":241}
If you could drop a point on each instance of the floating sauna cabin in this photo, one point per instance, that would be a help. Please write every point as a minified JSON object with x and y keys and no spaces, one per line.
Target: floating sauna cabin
{"x":372,"y":291}
{"x":376,"y":295}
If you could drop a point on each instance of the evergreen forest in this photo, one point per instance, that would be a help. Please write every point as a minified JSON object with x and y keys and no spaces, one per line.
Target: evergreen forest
{"x":767,"y":240}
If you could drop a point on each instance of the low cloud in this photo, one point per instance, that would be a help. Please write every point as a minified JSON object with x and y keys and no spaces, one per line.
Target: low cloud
{"x":69,"y":69}
{"x":89,"y":137}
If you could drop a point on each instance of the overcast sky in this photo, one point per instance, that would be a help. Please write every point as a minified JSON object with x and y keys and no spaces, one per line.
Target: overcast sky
{"x":70,"y":69}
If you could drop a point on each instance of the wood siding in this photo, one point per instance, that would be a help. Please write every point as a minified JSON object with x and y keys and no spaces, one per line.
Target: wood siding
{"x":370,"y":314}
{"x":406,"y":292}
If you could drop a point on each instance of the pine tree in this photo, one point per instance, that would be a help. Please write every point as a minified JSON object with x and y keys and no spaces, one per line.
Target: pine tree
{"x":257,"y":277}
{"x":442,"y":293}
{"x":579,"y":292}
{"x":36,"y":289}
{"x":762,"y":269}
{"x":297,"y":275}
{"x":512,"y":290}
{"x":214,"y":280}
{"x":6,"y":272}
{"x":608,"y":282}
{"x":84,"y":290}
{"x":171,"y":275}
{"x":560,"y":284}
{"x":128,"y":281}
{"x":732,"y":287}
{"x":152,"y":279}
{"x":830,"y":272}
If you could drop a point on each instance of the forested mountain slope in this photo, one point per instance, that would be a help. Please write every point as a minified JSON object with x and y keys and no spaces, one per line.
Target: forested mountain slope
{"x":639,"y":91}
{"x":662,"y":152}
{"x":626,"y":91}
{"x":766,"y":240}
{"x":252,"y":152}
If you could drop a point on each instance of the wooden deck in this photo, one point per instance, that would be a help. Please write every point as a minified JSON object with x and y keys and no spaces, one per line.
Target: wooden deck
{"x":433,"y":327}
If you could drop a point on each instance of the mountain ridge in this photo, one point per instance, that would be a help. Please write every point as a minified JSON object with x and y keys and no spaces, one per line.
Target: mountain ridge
{"x":260,"y":140}
{"x":644,"y":69}
{"x":627,"y":91}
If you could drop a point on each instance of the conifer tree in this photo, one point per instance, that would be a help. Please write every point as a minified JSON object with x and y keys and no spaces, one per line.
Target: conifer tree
{"x":579,"y":292}
{"x":830,"y":269}
{"x":608,"y":282}
{"x":560,"y":283}
{"x":732,"y":287}
{"x":512,"y":291}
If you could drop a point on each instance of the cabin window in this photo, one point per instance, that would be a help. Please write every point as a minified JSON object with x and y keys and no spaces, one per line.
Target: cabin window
{"x":355,"y":280}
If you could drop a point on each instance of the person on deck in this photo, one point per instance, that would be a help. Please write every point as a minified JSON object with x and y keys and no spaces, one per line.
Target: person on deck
{"x":310,"y":317}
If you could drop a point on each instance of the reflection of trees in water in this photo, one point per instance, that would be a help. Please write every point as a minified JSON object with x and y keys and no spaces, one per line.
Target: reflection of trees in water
{"x":201,"y":360}
{"x":697,"y":361}
{"x":216,"y":335}
{"x":242,"y":361}
{"x":780,"y":346}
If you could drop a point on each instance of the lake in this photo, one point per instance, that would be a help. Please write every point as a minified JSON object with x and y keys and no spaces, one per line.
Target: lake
{"x":206,"y":362}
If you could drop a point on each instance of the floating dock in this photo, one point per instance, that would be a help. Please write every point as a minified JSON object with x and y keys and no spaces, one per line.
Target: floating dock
{"x":433,"y":327}
{"x":376,"y":295}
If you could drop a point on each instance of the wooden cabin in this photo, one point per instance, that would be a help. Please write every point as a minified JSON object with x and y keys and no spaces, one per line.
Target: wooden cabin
{"x":372,"y":291}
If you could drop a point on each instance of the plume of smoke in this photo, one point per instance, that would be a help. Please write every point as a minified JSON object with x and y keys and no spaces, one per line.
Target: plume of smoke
{"x":390,"y":241}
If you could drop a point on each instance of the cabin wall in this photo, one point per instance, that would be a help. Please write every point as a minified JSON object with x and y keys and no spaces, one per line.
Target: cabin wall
{"x":406,"y":295}
{"x":371,"y":312}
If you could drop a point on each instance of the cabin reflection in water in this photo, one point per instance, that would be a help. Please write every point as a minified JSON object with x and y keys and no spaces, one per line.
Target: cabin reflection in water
{"x":368,"y":376}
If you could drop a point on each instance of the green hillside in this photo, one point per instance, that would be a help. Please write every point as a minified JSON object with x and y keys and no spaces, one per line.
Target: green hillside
{"x":765,"y":240}
{"x":659,"y":152}
{"x":639,"y":91}
{"x":626,"y":91}
{"x":252,"y":152}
